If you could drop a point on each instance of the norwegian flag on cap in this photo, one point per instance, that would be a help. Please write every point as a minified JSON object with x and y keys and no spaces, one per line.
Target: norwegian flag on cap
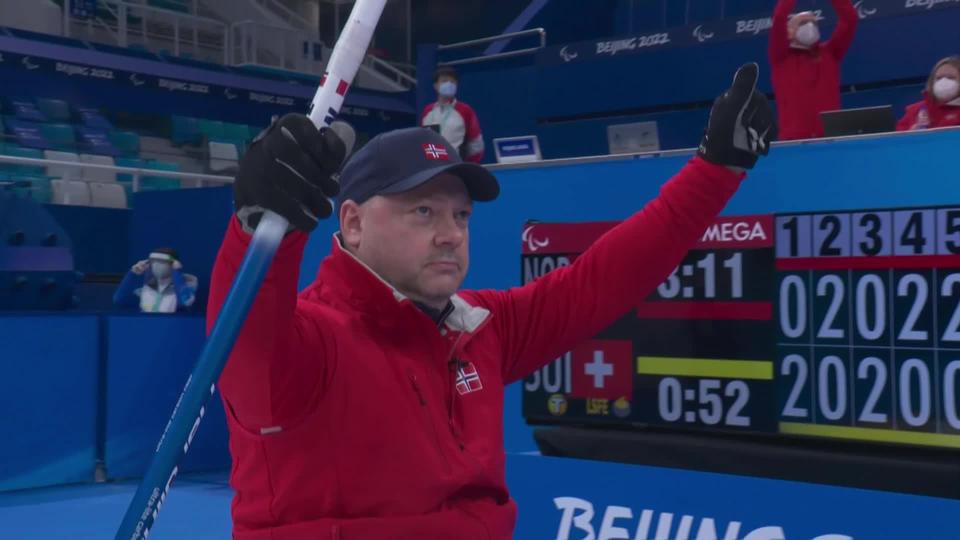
{"x":436,"y":152}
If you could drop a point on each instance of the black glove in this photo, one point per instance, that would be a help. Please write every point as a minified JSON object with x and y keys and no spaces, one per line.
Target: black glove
{"x":291,"y":169}
{"x":741,"y":123}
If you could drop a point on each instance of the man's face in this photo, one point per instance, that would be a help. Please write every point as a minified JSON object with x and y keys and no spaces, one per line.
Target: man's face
{"x":161,"y":269}
{"x":418,"y":241}
{"x":799,"y":20}
{"x":440,"y":82}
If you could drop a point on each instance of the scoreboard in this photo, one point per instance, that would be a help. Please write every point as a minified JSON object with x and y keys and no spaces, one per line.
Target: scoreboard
{"x":829,"y":324}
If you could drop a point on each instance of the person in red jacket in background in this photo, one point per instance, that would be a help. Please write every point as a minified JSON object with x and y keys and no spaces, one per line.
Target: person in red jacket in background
{"x":940,"y":106}
{"x":454,"y":119}
{"x":806,"y":70}
{"x":370,"y":406}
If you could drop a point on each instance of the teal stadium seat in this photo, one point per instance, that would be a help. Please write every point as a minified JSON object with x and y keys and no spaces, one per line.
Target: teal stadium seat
{"x":124,"y":179}
{"x":60,"y":136}
{"x":154,"y":183}
{"x":211,"y":129}
{"x":36,"y":188}
{"x":54,"y":109}
{"x":133,"y":163}
{"x":20,"y":169}
{"x":185,"y":130}
{"x":40,"y":189}
{"x":127,"y":142}
{"x":236,"y":132}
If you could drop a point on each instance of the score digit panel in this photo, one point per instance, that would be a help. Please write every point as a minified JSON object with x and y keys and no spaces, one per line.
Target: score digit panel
{"x":868,"y":333}
{"x":831,"y":324}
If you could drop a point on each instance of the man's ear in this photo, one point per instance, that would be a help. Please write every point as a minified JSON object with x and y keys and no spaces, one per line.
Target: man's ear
{"x":350,"y":223}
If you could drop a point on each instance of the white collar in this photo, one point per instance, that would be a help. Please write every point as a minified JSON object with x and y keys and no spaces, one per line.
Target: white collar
{"x":463,"y":318}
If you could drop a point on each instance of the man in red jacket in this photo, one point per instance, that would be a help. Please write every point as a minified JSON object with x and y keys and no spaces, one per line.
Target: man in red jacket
{"x":805,"y":70}
{"x":370,"y":405}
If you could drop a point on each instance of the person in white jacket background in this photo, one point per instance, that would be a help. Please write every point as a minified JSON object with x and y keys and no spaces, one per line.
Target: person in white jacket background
{"x":455,"y":120}
{"x":157,"y":284}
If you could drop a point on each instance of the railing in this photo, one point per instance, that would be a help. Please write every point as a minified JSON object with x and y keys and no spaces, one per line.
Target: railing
{"x":197,"y":179}
{"x":153,"y":28}
{"x":288,"y":15}
{"x":274,"y":46}
{"x":396,"y":74}
{"x":246,"y":43}
{"x":484,"y":58}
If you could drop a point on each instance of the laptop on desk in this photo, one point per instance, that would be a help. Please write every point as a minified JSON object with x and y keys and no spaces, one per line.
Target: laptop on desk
{"x":859,"y":121}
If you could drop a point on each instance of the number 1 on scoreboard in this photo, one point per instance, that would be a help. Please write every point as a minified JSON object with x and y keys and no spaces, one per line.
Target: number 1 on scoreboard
{"x":794,"y":236}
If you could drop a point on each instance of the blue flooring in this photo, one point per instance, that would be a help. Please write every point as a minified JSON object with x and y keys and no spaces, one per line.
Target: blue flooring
{"x":198,"y":507}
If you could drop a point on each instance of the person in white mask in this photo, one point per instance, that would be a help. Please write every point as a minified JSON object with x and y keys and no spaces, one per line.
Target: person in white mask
{"x":805,"y":68}
{"x":455,"y":120}
{"x":157,"y":285}
{"x":940,"y":106}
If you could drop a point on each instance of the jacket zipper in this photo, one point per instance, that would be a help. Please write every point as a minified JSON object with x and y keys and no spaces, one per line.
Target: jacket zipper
{"x":451,"y":357}
{"x":452,"y":388}
{"x":427,"y":416}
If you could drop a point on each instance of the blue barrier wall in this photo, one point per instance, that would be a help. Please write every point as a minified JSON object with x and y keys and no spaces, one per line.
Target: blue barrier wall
{"x":48,"y":399}
{"x":99,"y":236}
{"x":148,"y":360}
{"x":51,"y":386}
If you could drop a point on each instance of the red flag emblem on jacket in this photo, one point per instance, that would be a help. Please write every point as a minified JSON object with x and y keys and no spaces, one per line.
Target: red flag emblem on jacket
{"x":468,"y":380}
{"x":602,"y":369}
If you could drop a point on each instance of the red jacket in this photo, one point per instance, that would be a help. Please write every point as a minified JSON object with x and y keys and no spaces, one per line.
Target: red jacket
{"x":352,"y":417}
{"x":459,"y":126}
{"x":806,"y":82}
{"x":930,"y":113}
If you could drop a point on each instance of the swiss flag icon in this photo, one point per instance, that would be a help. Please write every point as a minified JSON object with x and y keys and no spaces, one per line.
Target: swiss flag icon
{"x":602,"y":369}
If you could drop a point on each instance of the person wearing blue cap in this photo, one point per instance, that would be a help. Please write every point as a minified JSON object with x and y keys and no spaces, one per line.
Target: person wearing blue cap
{"x":370,"y":405}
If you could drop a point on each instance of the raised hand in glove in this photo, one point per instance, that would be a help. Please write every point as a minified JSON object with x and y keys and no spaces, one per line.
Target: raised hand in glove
{"x":741,"y":124}
{"x":291,"y":169}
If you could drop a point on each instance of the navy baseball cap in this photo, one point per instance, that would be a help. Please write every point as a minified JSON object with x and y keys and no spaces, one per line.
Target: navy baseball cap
{"x":403,"y":159}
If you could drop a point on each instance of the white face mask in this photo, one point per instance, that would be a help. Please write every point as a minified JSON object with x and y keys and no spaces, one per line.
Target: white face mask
{"x":945,"y":89}
{"x":161,"y":270}
{"x":808,"y":34}
{"x":447,"y":89}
